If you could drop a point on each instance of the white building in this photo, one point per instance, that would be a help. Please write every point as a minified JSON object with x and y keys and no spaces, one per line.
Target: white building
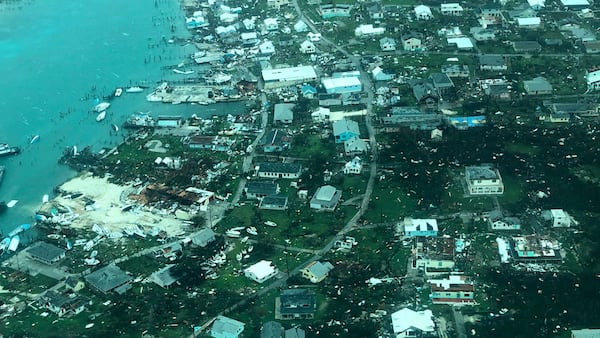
{"x":423,"y":12}
{"x":354,"y":166}
{"x":282,"y":77}
{"x":340,"y":85}
{"x":307,"y":47}
{"x":261,"y":271}
{"x":454,"y":9}
{"x":461,"y":43}
{"x":267,"y":48}
{"x":484,"y":180}
{"x":593,"y":80}
{"x":326,"y":198}
{"x":530,"y":23}
{"x":271,"y":24}
{"x":536,"y":5}
{"x":368,"y":30}
{"x":387,"y":44}
{"x":409,"y":323}
{"x":560,"y":218}
{"x":276,"y":4}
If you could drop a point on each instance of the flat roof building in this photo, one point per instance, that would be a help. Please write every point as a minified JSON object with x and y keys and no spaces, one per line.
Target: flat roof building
{"x":261,"y":271}
{"x":282,"y":77}
{"x":484,"y":180}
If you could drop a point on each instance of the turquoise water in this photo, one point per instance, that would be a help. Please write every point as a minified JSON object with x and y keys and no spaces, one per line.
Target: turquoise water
{"x":56,"y":56}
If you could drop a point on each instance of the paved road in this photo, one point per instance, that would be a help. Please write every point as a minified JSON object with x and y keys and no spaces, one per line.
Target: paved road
{"x":459,"y":322}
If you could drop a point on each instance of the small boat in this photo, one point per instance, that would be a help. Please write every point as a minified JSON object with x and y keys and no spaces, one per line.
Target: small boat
{"x":134,"y":89}
{"x":34,"y":139}
{"x":252,"y":231}
{"x":54,"y":236}
{"x":6,"y":150}
{"x":40,"y":218}
{"x":118,"y":92}
{"x":45,"y":198}
{"x":12,"y":203}
{"x":14,"y":243}
{"x":233,"y":233}
{"x":75,"y":151}
{"x":102,"y":106}
{"x":115,"y":127}
{"x":101,"y":116}
{"x":19,"y":229}
{"x":2,"y":169}
{"x":271,"y":224}
{"x":69,"y":244}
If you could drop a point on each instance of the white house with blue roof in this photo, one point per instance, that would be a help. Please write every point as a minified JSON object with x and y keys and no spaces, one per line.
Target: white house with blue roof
{"x":344,"y":130}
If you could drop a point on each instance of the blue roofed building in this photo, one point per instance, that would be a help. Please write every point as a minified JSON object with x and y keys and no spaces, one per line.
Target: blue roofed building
{"x":344,"y":130}
{"x":420,"y":227}
{"x":464,"y":122}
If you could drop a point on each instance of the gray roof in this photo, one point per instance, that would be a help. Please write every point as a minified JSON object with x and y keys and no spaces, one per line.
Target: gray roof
{"x":411,"y":35}
{"x":571,"y":107}
{"x":45,"y":251}
{"x":298,"y":301}
{"x":107,"y":278}
{"x":283,"y":111}
{"x":203,"y":236}
{"x":485,"y":171}
{"x":261,"y":188}
{"x":276,"y":200}
{"x":319,"y":269}
{"x":276,"y":167}
{"x":537,"y":84}
{"x":527,"y":46}
{"x":327,"y":196}
{"x":225,"y":325}
{"x":163,"y":277}
{"x":272,"y":329}
{"x":492,"y":60}
{"x":276,"y":137}
{"x":345,"y":125}
{"x":295,"y":332}
{"x":441,"y":80}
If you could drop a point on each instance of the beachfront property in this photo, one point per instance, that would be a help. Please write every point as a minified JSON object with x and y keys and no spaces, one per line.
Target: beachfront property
{"x":410,"y":323}
{"x":278,"y":170}
{"x":46,"y":253}
{"x":64,"y":305}
{"x":261,"y":271}
{"x":316,"y":271}
{"x":454,"y":290}
{"x":534,"y":249}
{"x":414,"y":227}
{"x":166,"y":121}
{"x":295,"y":304}
{"x":283,"y":77}
{"x":483,"y":180}
{"x":345,"y":129}
{"x":283,"y":113}
{"x":225,"y":327}
{"x":326,"y":198}
{"x":109,"y":278}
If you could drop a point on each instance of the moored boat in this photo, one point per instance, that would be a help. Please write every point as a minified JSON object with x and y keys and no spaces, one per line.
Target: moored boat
{"x":14,"y":243}
{"x":34,"y":139}
{"x":118,"y":92}
{"x":4,"y":244}
{"x":102,"y":106}
{"x":6,"y":150}
{"x":101,"y":116}
{"x":134,"y":89}
{"x":2,"y":169}
{"x":115,"y":127}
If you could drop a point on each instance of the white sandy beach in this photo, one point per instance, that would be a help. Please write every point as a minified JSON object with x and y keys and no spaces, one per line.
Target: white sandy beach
{"x":110,"y":199}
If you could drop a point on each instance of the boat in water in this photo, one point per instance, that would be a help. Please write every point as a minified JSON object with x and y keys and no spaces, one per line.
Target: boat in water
{"x":14,"y":243}
{"x":2,"y":169}
{"x":233,"y":233}
{"x":102,"y":106}
{"x":101,"y":116}
{"x":115,"y":127}
{"x":7,"y":150}
{"x":252,"y":231}
{"x":19,"y":229}
{"x":34,"y":139}
{"x":134,"y":89}
{"x":118,"y":92}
